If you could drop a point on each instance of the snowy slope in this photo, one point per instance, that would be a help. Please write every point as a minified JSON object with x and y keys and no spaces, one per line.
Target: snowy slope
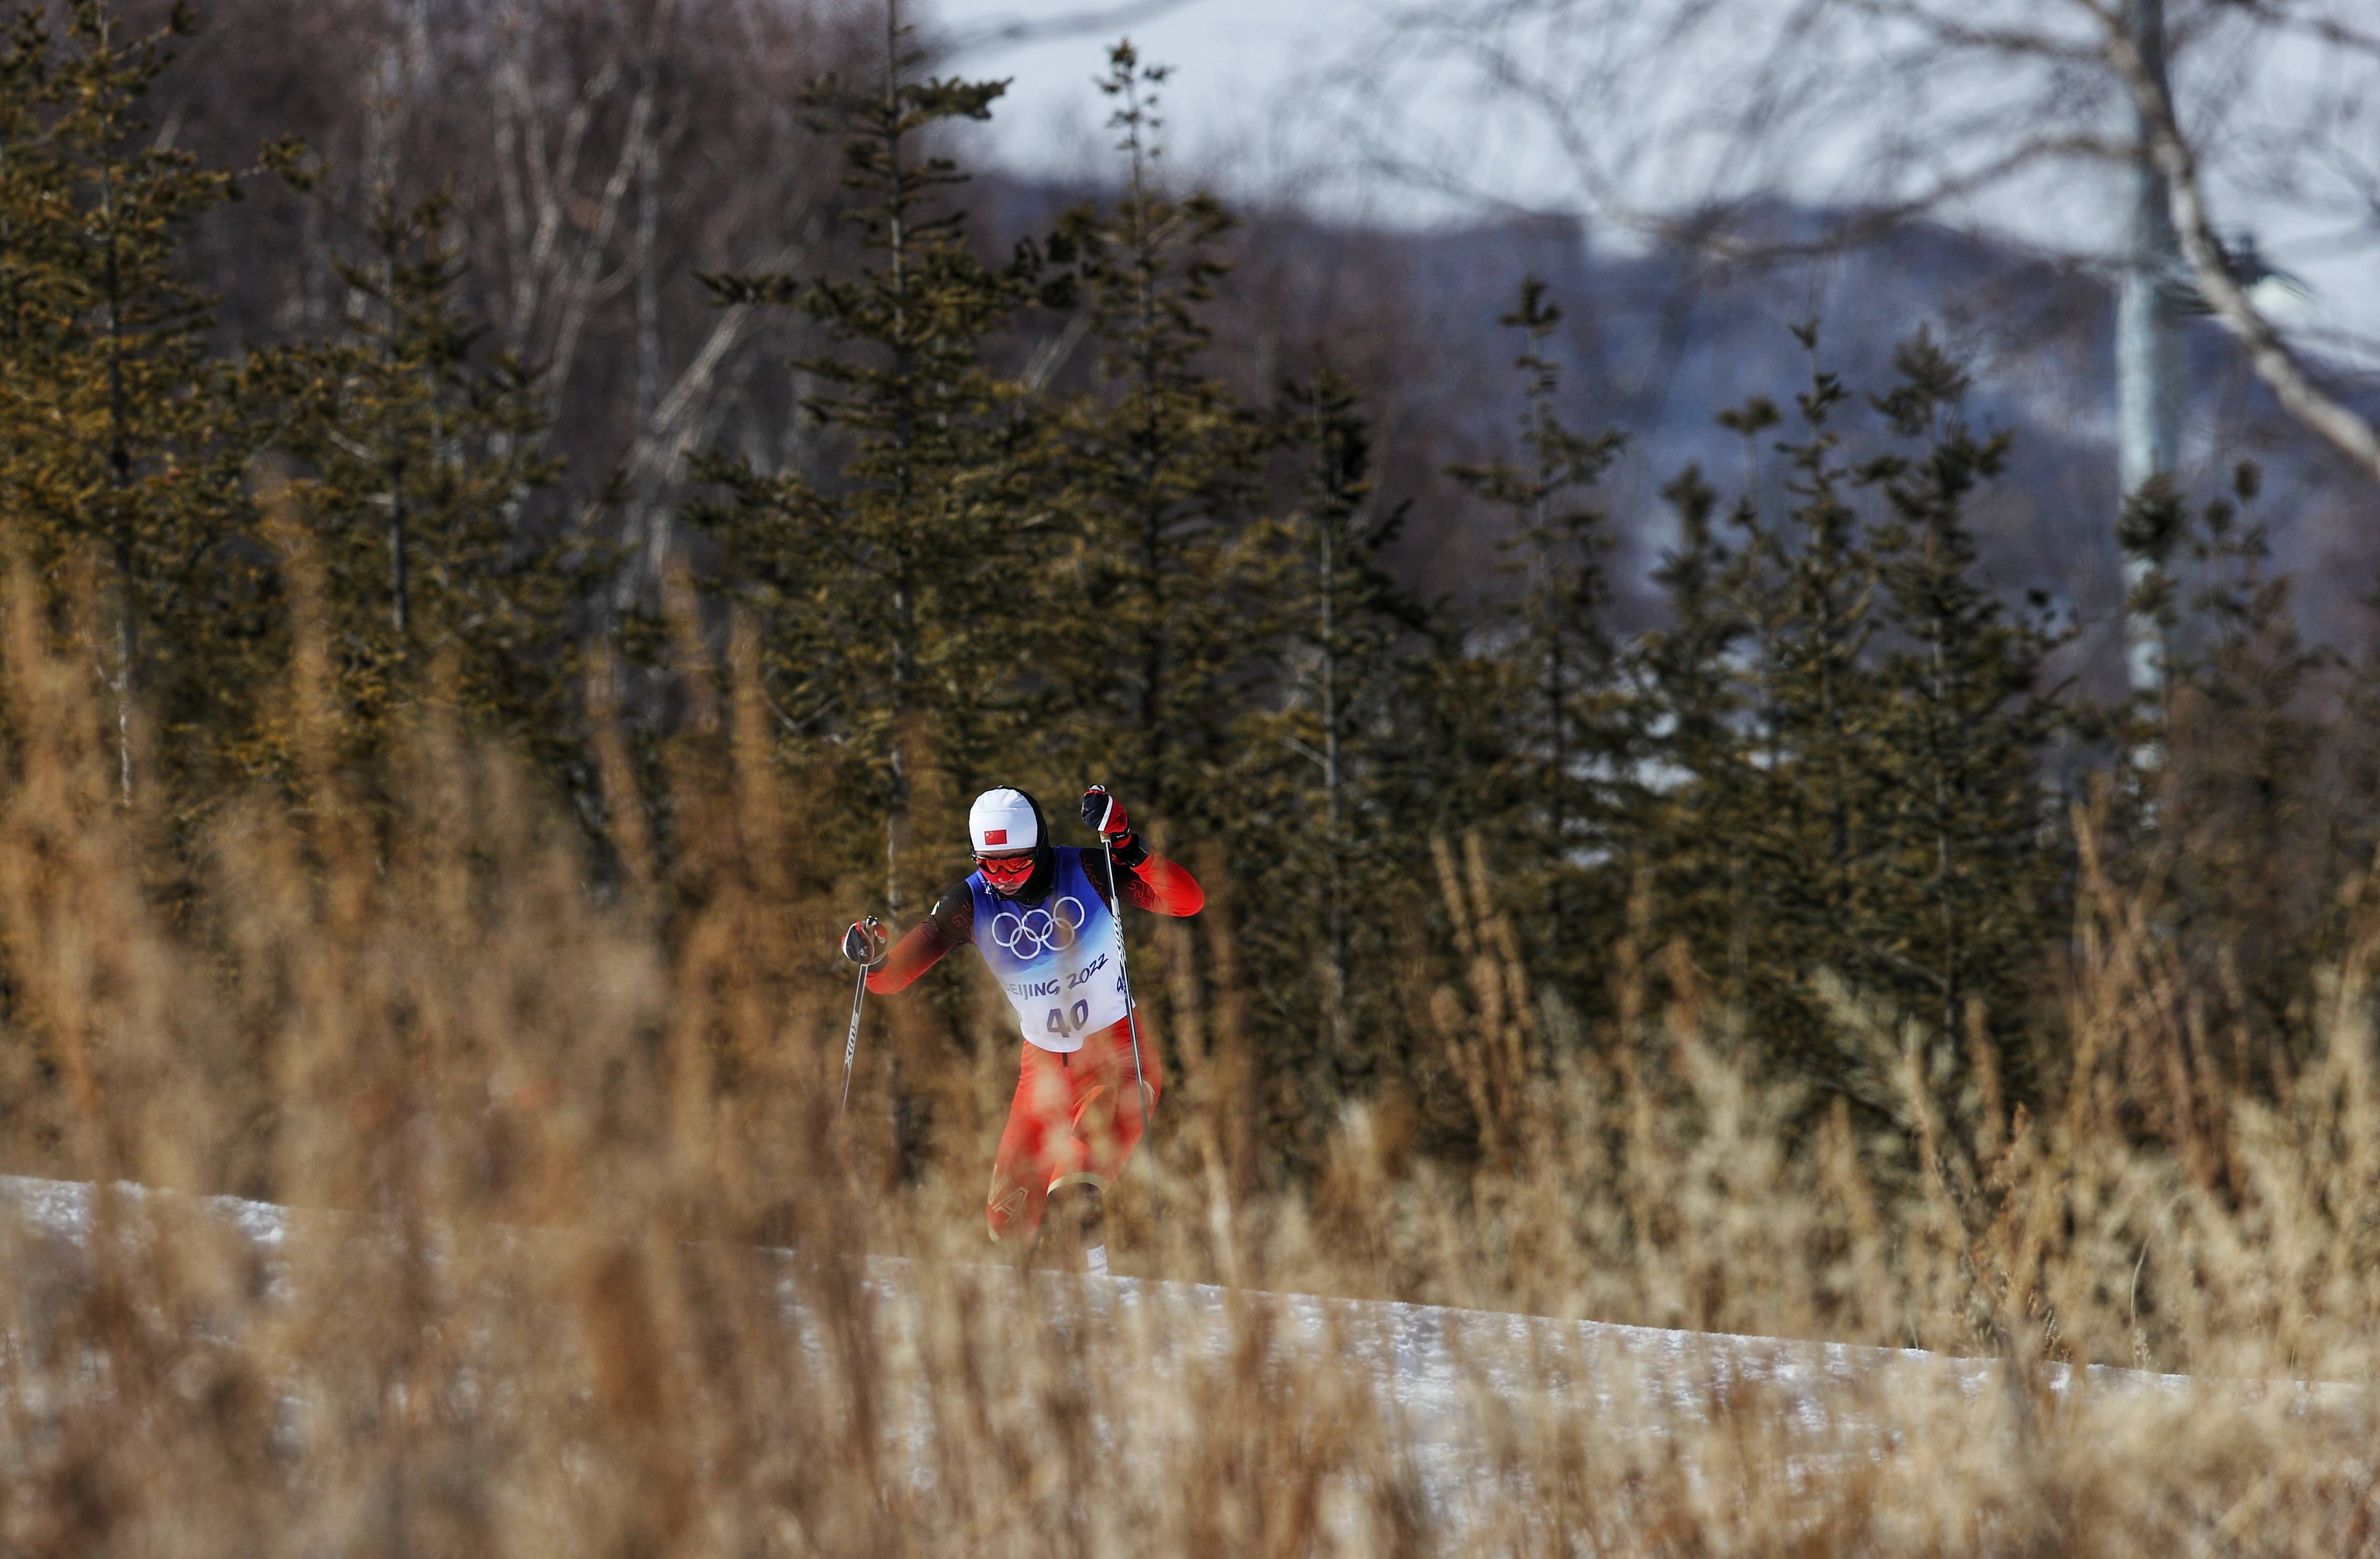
{"x":1450,"y":1378}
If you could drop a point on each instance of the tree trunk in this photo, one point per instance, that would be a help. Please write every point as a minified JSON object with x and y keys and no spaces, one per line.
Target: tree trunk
{"x":125,"y":684}
{"x":1332,"y":782}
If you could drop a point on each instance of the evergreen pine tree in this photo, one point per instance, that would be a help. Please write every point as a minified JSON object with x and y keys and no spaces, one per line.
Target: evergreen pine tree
{"x":896,"y":597}
{"x":2239,"y":834}
{"x":1568,"y":710}
{"x":1159,"y":468}
{"x":1331,"y":863}
{"x":1450,"y":773}
{"x":1807,"y":587}
{"x":418,"y":469}
{"x":1849,"y":725}
{"x":1967,"y":888}
{"x":1692,"y":685}
{"x":121,"y":456}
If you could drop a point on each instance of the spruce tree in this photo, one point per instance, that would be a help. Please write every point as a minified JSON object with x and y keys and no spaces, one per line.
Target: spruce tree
{"x":1319,"y":785}
{"x":1569,"y":717}
{"x":1848,"y":726}
{"x":1691,"y":680}
{"x":1967,"y":890}
{"x":1451,"y":769}
{"x":1807,"y":585}
{"x":1159,"y":468}
{"x":896,"y":595}
{"x":2249,"y":862}
{"x":122,"y":456}
{"x":418,"y":469}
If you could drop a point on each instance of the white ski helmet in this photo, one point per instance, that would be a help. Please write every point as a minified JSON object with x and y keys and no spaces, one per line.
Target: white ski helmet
{"x":1002,"y":821}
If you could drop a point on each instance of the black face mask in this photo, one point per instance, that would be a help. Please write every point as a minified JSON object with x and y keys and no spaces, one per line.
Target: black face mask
{"x":1045,"y":872}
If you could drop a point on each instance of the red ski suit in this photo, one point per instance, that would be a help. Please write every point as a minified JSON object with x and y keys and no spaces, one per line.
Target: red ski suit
{"x":1075,"y":1116}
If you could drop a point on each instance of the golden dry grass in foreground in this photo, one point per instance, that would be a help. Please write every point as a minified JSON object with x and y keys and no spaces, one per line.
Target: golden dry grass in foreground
{"x":535,"y":1139}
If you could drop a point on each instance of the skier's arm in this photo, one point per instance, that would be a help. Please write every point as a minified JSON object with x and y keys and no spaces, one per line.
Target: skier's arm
{"x":950,"y":925}
{"x":1144,"y":880}
{"x":1157,"y":884}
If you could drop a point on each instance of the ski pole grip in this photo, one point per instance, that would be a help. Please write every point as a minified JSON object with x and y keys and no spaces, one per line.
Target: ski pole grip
{"x":863,"y":943}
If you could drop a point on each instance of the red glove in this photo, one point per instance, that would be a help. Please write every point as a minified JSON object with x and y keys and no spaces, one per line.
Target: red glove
{"x":864,"y":941}
{"x":1105,"y":814}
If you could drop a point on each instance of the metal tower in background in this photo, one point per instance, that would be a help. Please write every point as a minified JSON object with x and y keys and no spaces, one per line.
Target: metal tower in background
{"x":2148,"y":348}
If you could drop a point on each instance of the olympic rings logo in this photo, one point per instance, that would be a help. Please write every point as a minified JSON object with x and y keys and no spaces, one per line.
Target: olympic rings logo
{"x":1039,"y":931}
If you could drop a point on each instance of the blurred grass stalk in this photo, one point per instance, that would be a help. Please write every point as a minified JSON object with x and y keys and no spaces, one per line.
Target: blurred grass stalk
{"x":535,"y":1135}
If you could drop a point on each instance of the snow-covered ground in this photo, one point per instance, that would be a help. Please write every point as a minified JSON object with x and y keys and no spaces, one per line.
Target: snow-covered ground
{"x":1448,"y":1377}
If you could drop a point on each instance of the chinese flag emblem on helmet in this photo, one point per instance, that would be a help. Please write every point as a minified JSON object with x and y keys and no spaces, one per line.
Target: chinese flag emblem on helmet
{"x":1002,"y":819}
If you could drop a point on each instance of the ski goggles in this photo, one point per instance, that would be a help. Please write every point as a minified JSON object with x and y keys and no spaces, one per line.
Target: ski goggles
{"x":1007,"y":872}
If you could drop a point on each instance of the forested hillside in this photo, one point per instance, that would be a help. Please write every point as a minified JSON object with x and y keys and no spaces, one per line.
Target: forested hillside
{"x":568,"y":346}
{"x":596,"y":281}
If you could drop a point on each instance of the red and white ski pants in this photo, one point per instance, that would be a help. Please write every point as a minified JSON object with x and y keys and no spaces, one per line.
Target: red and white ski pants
{"x":1075,"y":1117}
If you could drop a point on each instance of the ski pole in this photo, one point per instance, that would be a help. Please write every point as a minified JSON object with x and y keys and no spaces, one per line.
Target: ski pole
{"x":851,"y":1038}
{"x":1123,"y":972}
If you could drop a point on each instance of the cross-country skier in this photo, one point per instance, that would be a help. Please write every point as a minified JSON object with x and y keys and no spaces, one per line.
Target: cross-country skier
{"x":1042,"y":917}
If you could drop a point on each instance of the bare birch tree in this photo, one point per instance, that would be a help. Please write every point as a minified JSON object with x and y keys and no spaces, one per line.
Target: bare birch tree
{"x":600,"y":155}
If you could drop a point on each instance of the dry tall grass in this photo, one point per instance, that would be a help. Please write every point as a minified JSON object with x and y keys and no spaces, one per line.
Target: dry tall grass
{"x":577,"y":1257}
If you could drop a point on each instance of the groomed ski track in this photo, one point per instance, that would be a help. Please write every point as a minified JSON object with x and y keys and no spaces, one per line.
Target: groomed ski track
{"x":1448,"y":1377}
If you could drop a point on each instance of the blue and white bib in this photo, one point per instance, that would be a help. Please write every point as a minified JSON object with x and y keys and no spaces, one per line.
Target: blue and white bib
{"x":1058,"y":960}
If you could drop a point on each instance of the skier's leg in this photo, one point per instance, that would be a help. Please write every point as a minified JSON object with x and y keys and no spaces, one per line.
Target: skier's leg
{"x":1109,"y":1120}
{"x":1035,"y":1147}
{"x":1073,"y":1227}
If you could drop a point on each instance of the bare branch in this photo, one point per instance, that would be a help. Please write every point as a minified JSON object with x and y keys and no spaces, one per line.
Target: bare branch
{"x":2267,"y":353}
{"x":1013,"y":30}
{"x":2329,"y":29}
{"x":1054,"y":351}
{"x":1965,"y":35}
{"x":579,"y":285}
{"x":1597,"y":81}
